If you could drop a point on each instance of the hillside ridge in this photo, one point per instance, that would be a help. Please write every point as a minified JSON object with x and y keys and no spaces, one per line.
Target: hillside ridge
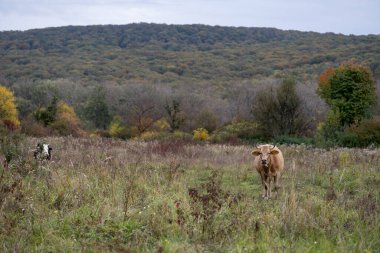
{"x":176,"y":53}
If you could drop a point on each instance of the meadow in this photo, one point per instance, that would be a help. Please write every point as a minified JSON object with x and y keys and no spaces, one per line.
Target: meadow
{"x":104,"y":195}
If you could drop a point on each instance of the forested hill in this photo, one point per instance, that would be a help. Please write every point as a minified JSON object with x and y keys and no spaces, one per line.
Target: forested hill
{"x":176,"y":53}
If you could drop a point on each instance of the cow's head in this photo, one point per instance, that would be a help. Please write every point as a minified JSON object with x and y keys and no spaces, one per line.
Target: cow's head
{"x":264,"y":151}
{"x":44,"y":150}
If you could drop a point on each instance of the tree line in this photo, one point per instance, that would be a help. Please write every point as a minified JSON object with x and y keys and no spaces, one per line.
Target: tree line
{"x":340,"y":109}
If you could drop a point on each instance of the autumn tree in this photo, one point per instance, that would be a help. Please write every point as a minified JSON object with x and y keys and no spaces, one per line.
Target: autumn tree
{"x":8,"y":110}
{"x":67,"y":122}
{"x":143,"y":108}
{"x":142,"y":115}
{"x":350,"y":91}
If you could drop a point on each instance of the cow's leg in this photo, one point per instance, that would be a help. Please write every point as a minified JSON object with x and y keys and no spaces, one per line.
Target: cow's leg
{"x":264,"y":185}
{"x":269,"y":187}
{"x":277,"y":182}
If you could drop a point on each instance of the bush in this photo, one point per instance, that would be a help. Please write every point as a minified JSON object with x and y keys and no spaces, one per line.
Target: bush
{"x":348,"y":139}
{"x":209,"y":201}
{"x":161,"y":125}
{"x":200,"y":134}
{"x":367,"y":133}
{"x":328,"y":132}
{"x":116,"y":130}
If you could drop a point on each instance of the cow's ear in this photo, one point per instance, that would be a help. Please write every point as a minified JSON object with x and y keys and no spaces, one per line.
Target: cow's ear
{"x":274,"y":152}
{"x":256,"y":152}
{"x":50,"y":148}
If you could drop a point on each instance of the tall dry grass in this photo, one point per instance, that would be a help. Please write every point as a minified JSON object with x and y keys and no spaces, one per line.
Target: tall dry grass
{"x":101,"y":195}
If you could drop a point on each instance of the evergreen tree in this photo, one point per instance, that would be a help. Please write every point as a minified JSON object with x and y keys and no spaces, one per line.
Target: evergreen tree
{"x":279,"y":112}
{"x":47,"y":115}
{"x":97,"y":110}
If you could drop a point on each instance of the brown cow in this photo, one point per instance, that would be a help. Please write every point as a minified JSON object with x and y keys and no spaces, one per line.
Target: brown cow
{"x":269,"y":163}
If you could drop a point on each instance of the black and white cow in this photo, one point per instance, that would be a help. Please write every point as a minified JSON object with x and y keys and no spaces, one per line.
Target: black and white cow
{"x":43,"y":151}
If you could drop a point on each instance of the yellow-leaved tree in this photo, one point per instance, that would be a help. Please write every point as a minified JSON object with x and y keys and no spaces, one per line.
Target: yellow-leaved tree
{"x":8,"y":110}
{"x":117,"y":130}
{"x":200,"y":134}
{"x":67,"y":122}
{"x":115,"y":127}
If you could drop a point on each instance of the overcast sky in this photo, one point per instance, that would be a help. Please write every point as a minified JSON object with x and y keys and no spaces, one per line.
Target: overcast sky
{"x":338,"y":16}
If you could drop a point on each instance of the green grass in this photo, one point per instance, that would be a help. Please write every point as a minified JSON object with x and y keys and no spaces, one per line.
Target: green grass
{"x":81,"y":202}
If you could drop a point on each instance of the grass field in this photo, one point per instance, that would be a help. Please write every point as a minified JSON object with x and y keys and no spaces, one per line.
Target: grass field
{"x":103,"y":195}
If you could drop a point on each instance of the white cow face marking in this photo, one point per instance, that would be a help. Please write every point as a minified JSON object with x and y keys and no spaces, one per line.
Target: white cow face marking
{"x":45,"y":149}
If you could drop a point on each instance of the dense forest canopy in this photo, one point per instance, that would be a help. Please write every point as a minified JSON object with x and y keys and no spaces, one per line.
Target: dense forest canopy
{"x":176,"y":53}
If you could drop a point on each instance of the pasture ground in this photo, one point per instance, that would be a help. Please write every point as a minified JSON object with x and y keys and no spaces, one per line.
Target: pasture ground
{"x":103,"y":195}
